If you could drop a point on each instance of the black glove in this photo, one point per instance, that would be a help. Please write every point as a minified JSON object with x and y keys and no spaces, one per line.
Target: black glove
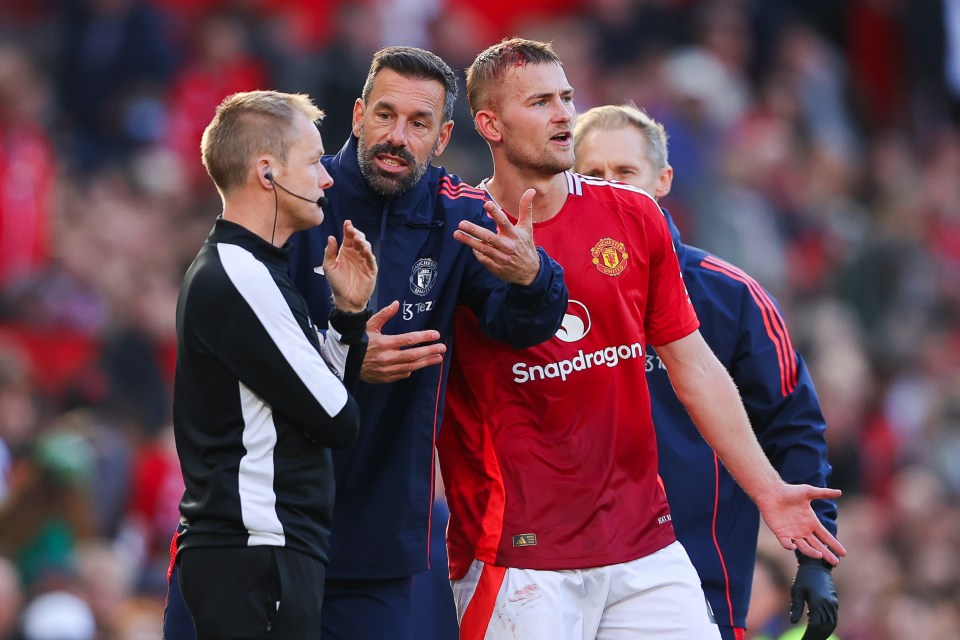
{"x":814,"y":585}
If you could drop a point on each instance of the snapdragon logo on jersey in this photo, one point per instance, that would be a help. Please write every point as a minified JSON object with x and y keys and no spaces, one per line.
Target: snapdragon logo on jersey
{"x":575,"y":326}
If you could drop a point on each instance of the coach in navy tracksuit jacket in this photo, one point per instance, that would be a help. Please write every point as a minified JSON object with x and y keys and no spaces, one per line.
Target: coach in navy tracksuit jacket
{"x":714,"y":519}
{"x":385,"y":481}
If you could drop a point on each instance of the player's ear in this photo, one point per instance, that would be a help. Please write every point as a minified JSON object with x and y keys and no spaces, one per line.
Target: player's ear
{"x":488,"y":126}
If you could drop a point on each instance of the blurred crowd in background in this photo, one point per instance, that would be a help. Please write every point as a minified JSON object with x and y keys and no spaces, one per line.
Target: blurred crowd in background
{"x":816,"y":144}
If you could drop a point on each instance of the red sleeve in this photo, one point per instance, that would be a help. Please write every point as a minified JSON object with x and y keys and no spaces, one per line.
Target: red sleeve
{"x":670,"y":315}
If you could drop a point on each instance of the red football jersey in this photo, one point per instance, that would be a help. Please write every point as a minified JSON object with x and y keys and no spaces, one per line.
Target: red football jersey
{"x":548,"y":454}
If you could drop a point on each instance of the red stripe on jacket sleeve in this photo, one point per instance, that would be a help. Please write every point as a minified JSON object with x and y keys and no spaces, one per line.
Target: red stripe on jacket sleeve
{"x":772,"y":319}
{"x":460,"y":190}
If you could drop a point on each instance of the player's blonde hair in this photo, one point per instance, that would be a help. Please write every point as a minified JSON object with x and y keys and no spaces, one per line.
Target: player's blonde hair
{"x":488,"y":68}
{"x":247,"y":125}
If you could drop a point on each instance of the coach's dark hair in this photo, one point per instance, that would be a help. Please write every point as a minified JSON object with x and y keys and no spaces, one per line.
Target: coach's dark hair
{"x":416,"y":64}
{"x":489,"y":66}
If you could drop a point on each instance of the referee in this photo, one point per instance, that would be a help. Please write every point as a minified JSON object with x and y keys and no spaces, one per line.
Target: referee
{"x":259,"y":396}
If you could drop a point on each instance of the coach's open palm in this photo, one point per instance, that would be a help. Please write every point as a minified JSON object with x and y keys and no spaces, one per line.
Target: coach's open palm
{"x":352,"y":271}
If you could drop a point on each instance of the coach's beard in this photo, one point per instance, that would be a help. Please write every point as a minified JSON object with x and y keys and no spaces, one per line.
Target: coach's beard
{"x":389,"y":186}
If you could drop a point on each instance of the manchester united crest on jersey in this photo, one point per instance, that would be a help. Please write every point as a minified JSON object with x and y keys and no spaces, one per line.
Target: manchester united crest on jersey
{"x":422,"y":276}
{"x":610,"y":256}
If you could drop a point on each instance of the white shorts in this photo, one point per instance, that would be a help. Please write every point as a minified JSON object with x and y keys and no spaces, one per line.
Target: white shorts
{"x":657,"y":596}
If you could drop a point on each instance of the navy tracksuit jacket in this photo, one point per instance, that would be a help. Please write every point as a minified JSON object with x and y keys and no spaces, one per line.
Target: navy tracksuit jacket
{"x":385,"y":481}
{"x":713,"y":518}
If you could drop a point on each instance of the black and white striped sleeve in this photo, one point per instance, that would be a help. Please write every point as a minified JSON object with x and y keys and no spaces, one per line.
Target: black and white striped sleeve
{"x":268,"y":350}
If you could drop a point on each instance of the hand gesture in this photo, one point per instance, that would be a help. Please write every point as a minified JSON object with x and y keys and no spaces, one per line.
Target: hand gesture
{"x":786,"y":510}
{"x":814,"y":585}
{"x":509,"y":254}
{"x":352,"y":271}
{"x":394,"y":357}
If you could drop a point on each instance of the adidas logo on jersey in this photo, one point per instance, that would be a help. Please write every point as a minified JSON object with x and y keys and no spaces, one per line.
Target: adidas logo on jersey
{"x":525,"y":540}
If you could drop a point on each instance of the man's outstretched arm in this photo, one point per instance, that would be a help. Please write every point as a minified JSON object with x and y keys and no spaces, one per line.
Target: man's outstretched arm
{"x":712,"y":400}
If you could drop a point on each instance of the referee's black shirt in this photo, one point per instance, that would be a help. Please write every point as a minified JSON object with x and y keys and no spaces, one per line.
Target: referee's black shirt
{"x":256,"y":405}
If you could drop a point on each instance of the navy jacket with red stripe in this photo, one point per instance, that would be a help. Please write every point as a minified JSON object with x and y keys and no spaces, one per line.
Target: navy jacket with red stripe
{"x":384,"y":482}
{"x":713,"y":518}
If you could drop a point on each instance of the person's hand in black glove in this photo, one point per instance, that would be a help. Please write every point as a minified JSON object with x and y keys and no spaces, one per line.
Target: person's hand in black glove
{"x":814,"y":585}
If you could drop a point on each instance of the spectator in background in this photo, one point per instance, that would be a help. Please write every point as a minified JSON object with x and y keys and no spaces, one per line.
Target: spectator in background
{"x":49,"y":511}
{"x":221,"y":65}
{"x":336,"y":72}
{"x":27,"y":171}
{"x":715,"y":520}
{"x":11,"y":598}
{"x":19,"y":412}
{"x":58,"y":615}
{"x":113,"y":68}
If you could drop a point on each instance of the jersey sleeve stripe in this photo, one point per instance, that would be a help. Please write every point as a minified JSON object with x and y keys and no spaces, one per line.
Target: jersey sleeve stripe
{"x":255,"y":284}
{"x":772,"y":320}
{"x":492,"y":520}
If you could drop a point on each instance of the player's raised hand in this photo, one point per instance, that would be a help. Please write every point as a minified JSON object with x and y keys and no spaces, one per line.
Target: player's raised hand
{"x":352,"y":271}
{"x":786,"y":510}
{"x":510,"y":253}
{"x":394,"y":357}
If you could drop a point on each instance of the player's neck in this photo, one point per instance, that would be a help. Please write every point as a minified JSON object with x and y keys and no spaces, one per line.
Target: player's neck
{"x":506,"y":187}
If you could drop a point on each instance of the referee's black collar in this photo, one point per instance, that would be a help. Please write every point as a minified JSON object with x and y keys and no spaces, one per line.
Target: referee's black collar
{"x":227,"y":232}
